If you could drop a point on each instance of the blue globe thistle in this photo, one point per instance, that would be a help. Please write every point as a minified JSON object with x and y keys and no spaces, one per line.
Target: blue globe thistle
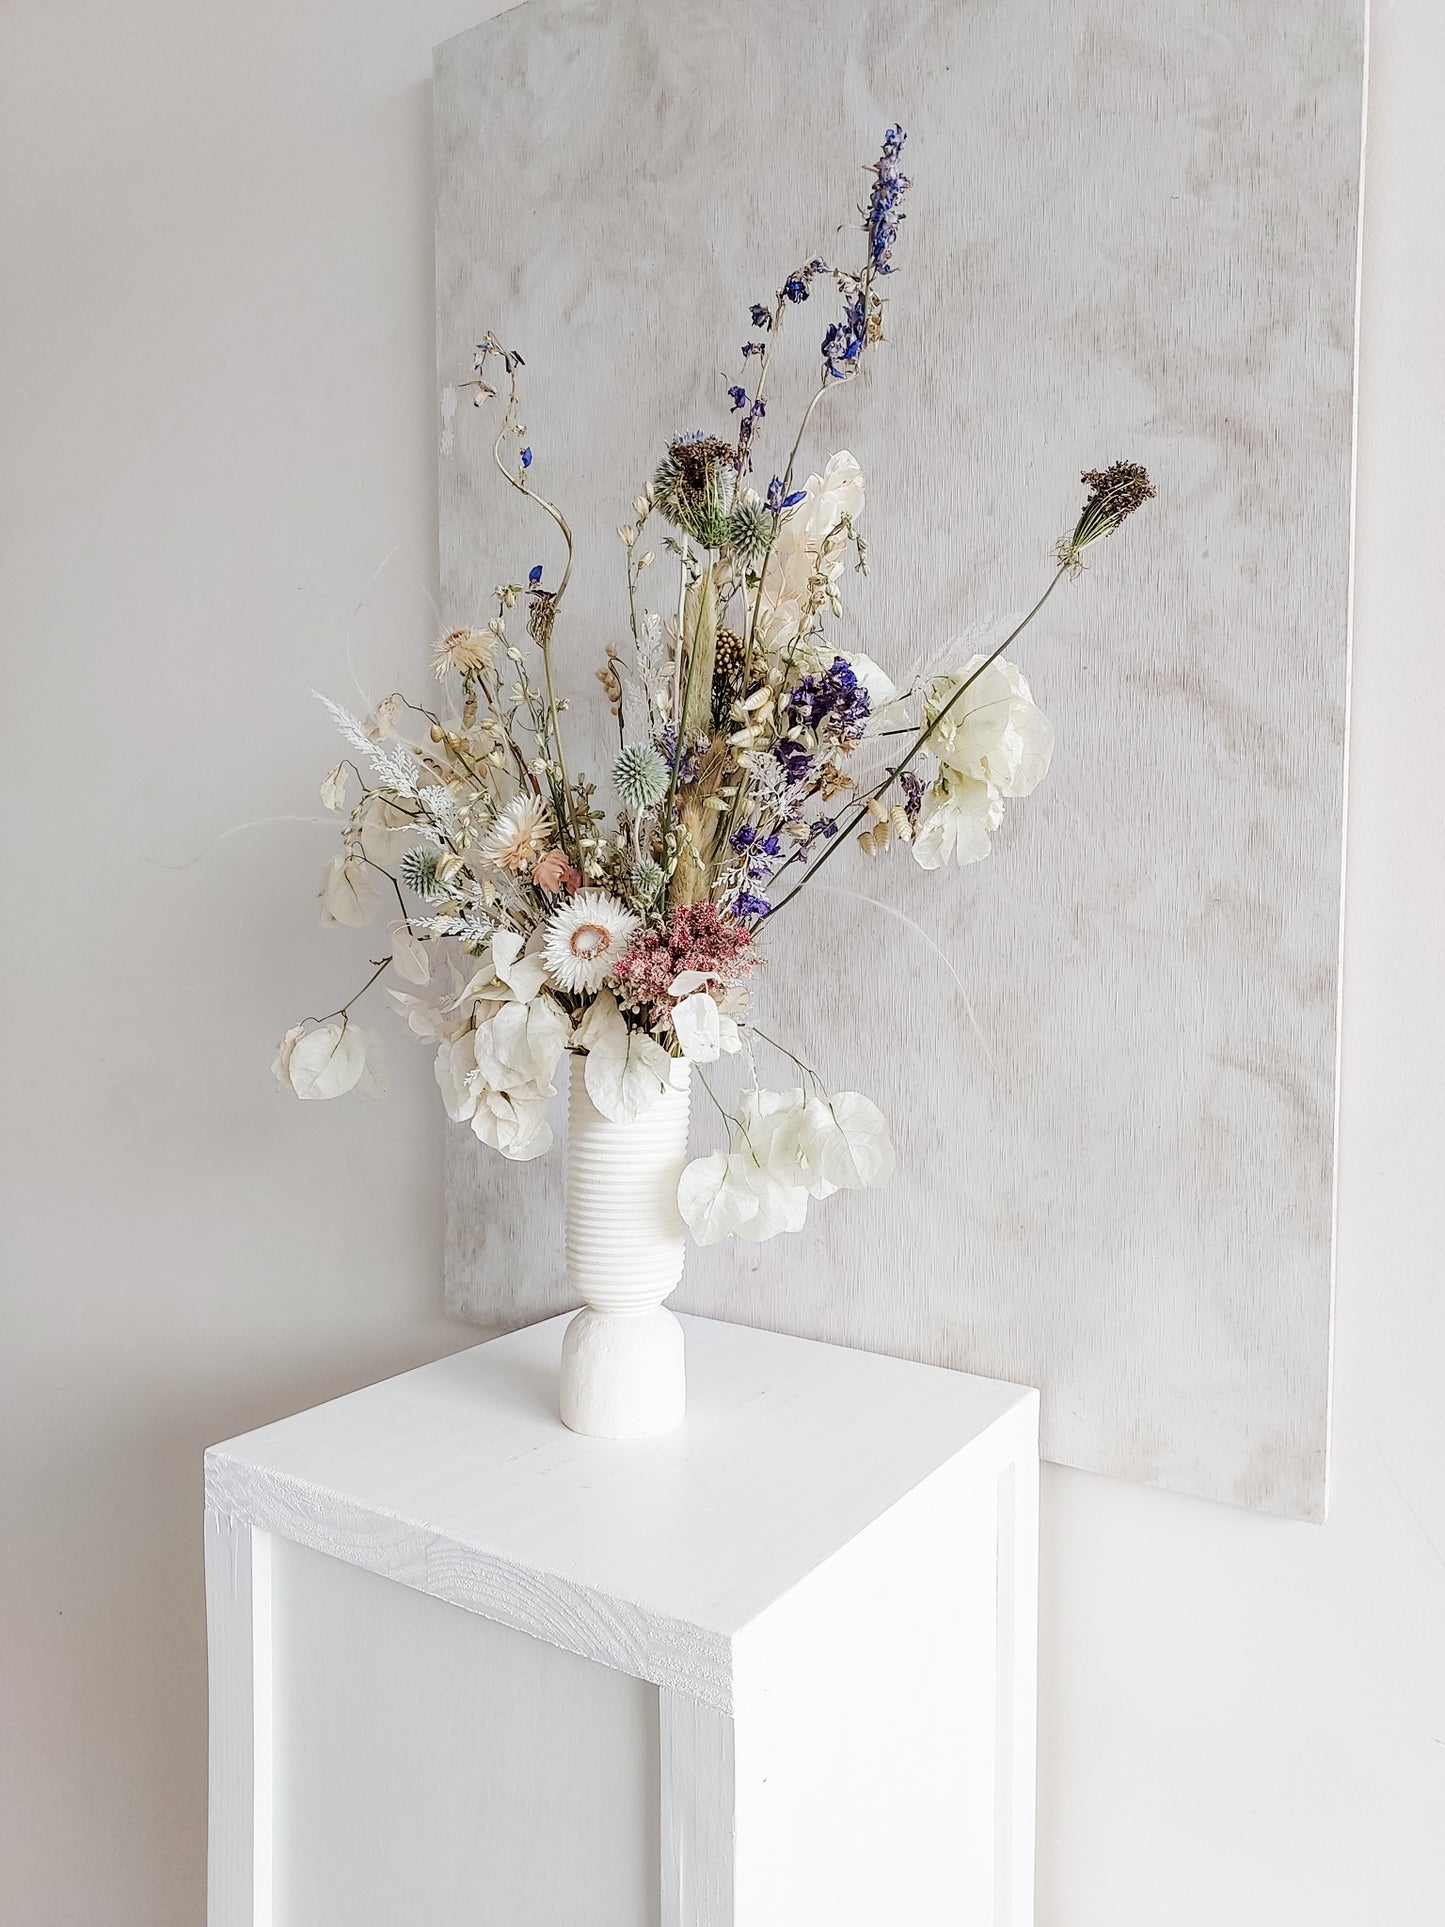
{"x":640,"y":777}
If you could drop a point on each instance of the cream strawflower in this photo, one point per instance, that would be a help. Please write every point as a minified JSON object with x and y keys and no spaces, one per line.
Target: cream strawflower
{"x":585,"y":937}
{"x":520,"y":835}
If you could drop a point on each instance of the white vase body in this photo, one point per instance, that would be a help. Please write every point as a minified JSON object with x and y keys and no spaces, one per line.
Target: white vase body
{"x":623,"y":1375}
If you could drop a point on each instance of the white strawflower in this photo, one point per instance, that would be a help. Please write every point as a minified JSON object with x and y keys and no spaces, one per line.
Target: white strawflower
{"x":520,"y":835}
{"x":586,"y":935}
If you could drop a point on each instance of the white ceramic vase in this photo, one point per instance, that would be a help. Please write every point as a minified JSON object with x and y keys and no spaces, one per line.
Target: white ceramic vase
{"x":622,"y":1355}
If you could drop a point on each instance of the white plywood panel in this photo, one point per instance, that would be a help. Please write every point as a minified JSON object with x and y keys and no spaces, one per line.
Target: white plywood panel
{"x":1132,"y":232}
{"x":432,"y":1766}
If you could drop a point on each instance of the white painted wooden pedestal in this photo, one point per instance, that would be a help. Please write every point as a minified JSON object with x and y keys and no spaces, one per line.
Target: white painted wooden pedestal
{"x":773,"y":1669}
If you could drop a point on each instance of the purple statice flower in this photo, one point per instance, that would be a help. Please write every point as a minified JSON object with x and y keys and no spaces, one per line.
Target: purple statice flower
{"x":750,"y":905}
{"x":836,"y":699}
{"x":761,"y":317}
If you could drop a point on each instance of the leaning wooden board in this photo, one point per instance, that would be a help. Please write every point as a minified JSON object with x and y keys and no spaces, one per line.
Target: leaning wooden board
{"x":1133,"y":232}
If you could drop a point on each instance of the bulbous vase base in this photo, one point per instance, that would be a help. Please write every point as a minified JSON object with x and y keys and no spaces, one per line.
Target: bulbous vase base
{"x":623,"y":1374}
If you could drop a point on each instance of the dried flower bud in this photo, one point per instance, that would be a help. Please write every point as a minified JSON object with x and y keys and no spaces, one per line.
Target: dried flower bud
{"x":628,"y":535}
{"x":646,"y":560}
{"x":1114,"y":494}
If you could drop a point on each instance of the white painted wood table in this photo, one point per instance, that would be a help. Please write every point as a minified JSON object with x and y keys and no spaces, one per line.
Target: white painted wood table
{"x":775,"y":1669}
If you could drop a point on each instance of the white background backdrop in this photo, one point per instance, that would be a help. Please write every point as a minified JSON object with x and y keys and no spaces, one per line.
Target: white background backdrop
{"x":215,"y":417}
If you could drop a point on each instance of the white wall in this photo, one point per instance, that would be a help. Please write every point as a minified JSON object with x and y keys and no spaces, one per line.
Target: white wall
{"x":215,"y":339}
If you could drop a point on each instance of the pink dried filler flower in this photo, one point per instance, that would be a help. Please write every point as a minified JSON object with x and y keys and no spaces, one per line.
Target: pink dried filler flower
{"x":696,"y":936}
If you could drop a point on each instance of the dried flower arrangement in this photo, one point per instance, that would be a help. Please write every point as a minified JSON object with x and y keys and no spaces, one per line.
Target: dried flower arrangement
{"x":751,"y":751}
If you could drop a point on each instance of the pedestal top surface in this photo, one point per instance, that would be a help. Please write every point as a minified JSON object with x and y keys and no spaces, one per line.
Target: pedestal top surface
{"x":789,"y":1449}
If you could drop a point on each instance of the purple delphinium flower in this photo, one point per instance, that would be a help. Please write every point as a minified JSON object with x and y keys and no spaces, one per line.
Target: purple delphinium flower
{"x":824,"y":826}
{"x":738,"y":397}
{"x":750,"y":905}
{"x":534,"y":575}
{"x":797,"y":762}
{"x":761,"y":317}
{"x":836,"y":698}
{"x":526,"y":458}
{"x":912,"y":794}
{"x":777,"y":501}
{"x":845,"y":340}
{"x":796,"y":287}
{"x":889,"y":186}
{"x":743,"y":837}
{"x":754,"y":348}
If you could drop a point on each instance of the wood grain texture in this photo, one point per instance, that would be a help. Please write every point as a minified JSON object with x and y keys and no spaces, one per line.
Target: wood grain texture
{"x":1132,"y":232}
{"x":823,"y":1571}
{"x":698,"y":1818}
{"x":646,"y":1555}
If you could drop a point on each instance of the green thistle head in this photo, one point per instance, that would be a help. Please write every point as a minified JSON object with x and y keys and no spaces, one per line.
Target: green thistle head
{"x":694,"y":485}
{"x":750,"y":529}
{"x":640,"y":777}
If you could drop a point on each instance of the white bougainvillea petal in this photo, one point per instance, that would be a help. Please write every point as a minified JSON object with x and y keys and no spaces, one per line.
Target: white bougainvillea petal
{"x":518,"y":1126}
{"x":699,"y":1027}
{"x":409,"y":957}
{"x":455,"y":1067}
{"x":781,"y":1206}
{"x":687,"y":981}
{"x":714,"y":1205}
{"x":956,"y":822}
{"x":813,"y":1126}
{"x":524,"y":978}
{"x":626,"y":1071}
{"x":433,"y":1022}
{"x":768,"y":1123}
{"x":373,"y":1079}
{"x":327,"y":1061}
{"x":496,"y":1044}
{"x":281,"y":1068}
{"x":845,"y":1141}
{"x":350,"y":893}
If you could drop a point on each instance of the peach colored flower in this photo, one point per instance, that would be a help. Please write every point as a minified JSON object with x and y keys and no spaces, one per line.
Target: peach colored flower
{"x":554,"y":873}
